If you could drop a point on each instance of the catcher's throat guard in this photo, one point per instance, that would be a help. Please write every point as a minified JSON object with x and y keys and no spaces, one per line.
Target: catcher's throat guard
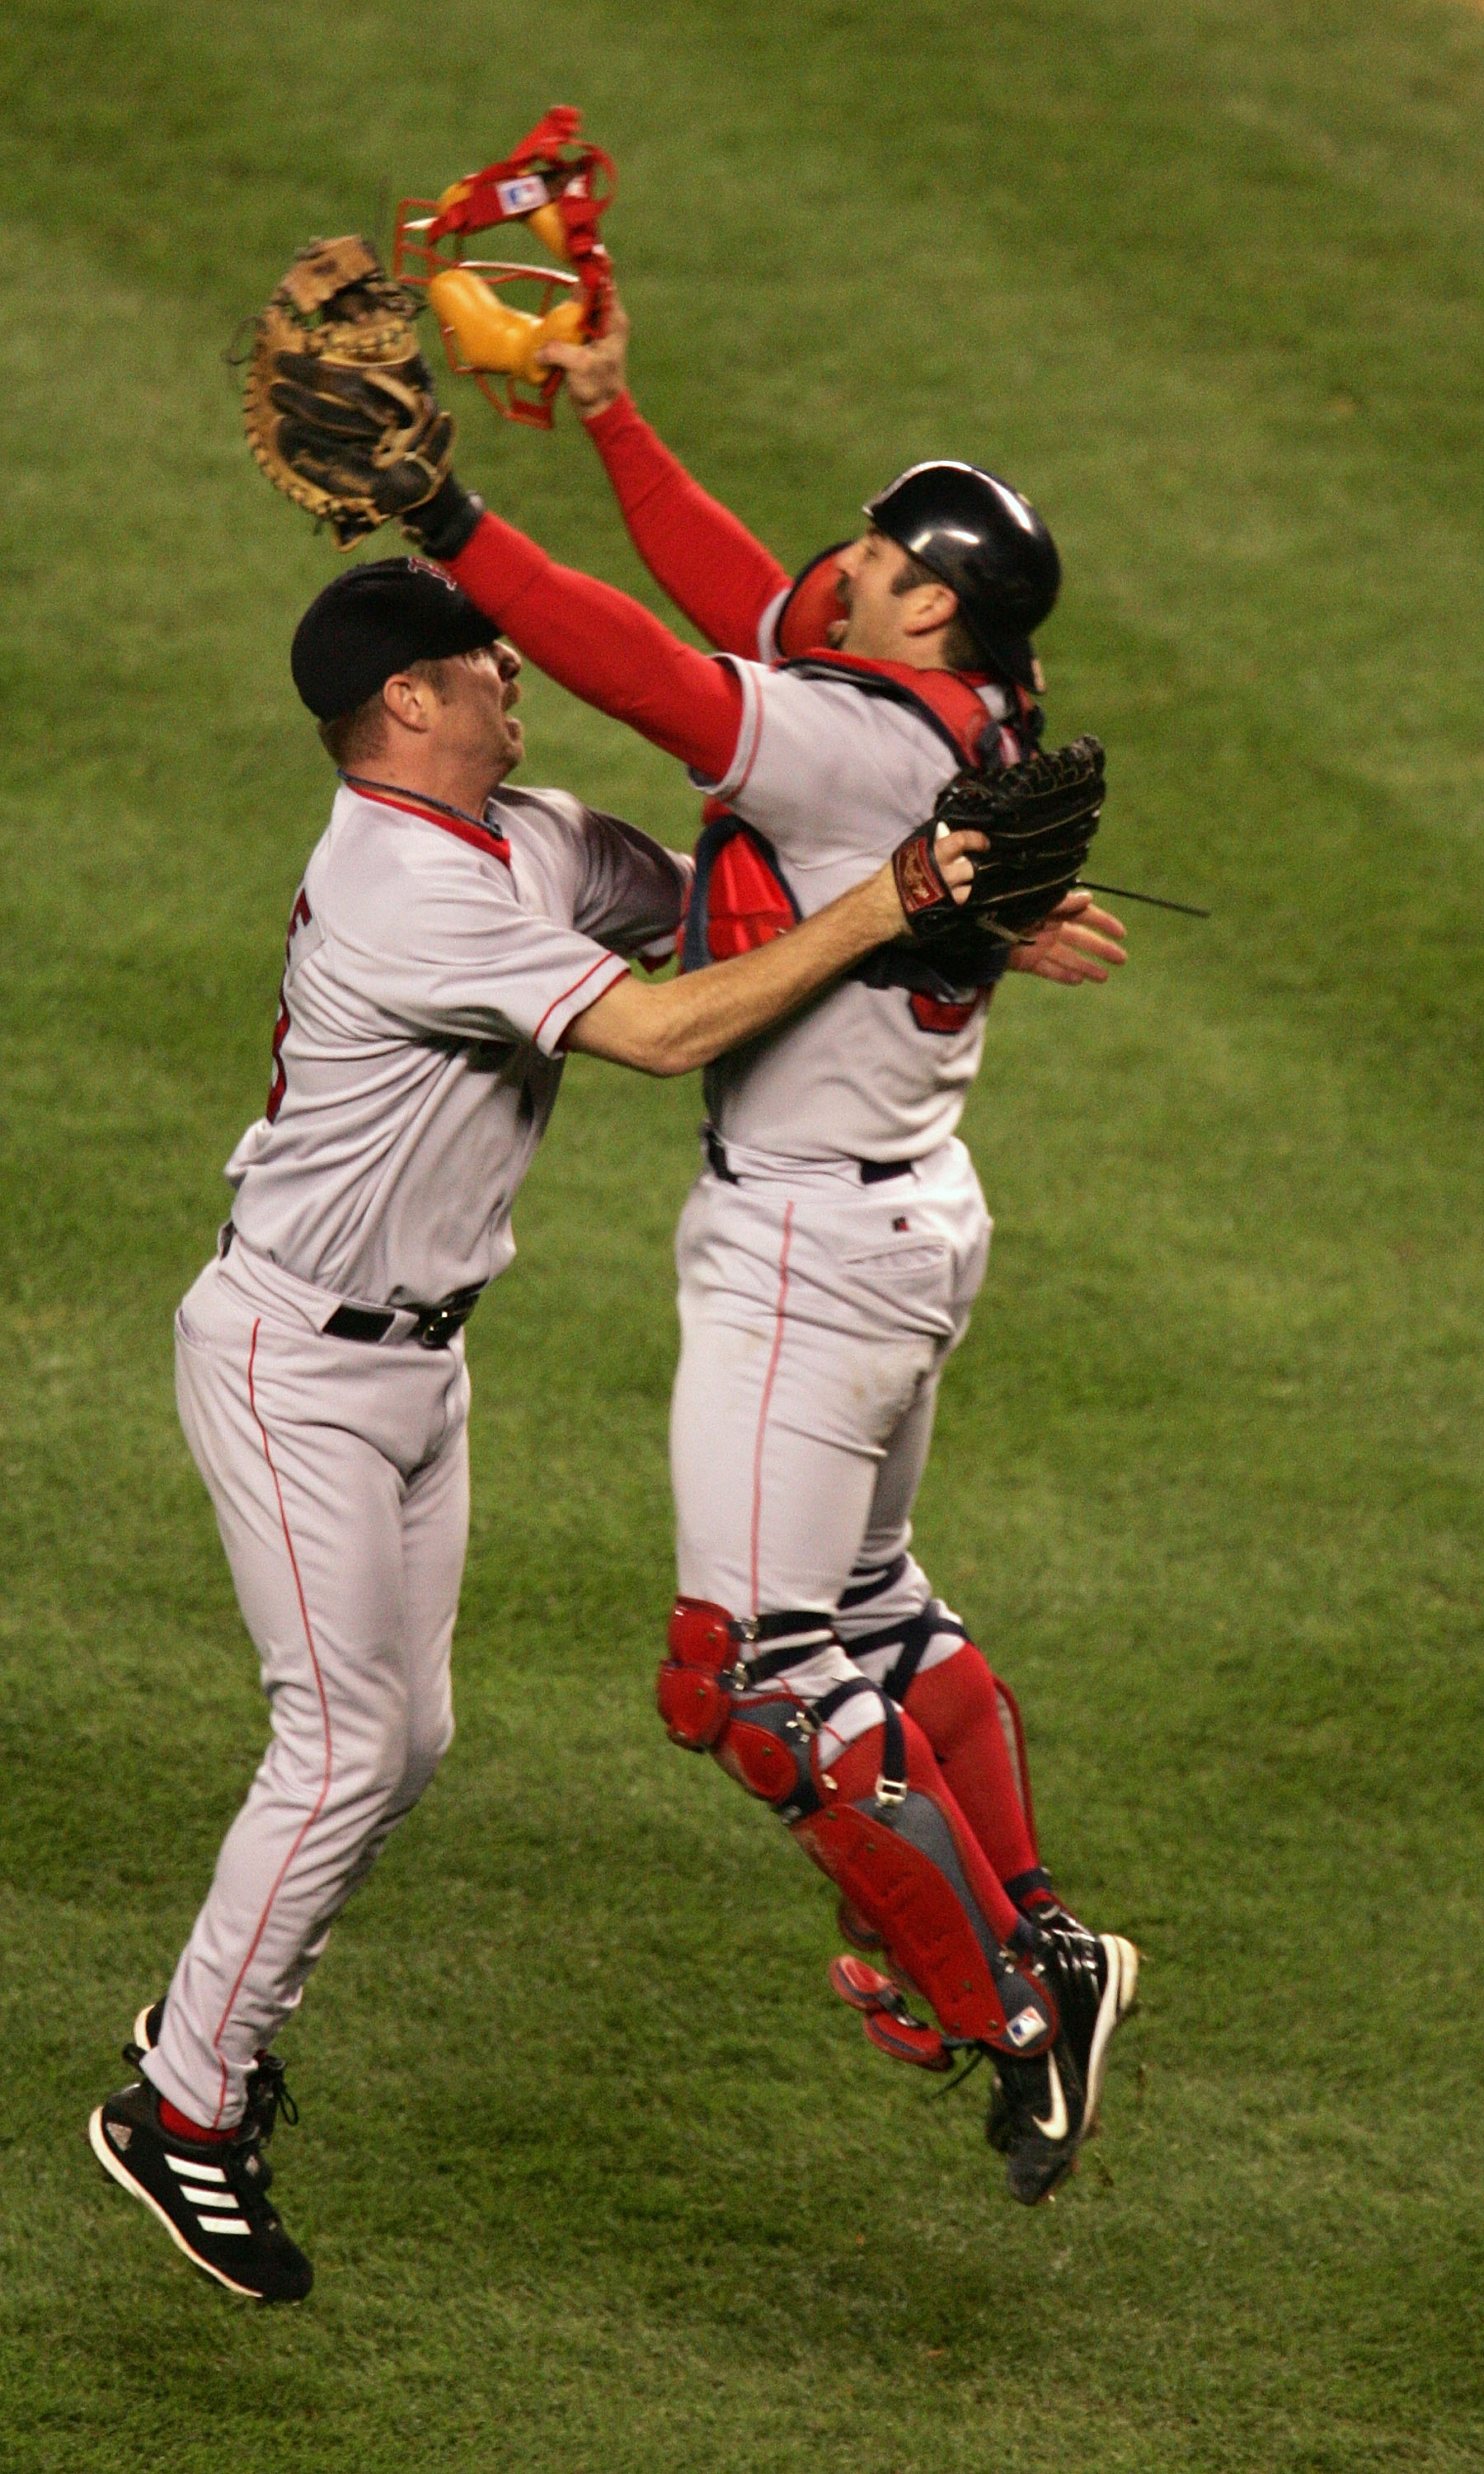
{"x":559,"y":188}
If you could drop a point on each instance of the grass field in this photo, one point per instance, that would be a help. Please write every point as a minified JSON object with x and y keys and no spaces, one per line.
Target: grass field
{"x":596,"y":2175}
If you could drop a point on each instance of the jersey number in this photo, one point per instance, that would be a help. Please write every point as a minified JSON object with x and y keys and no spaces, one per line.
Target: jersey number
{"x":298,"y":917}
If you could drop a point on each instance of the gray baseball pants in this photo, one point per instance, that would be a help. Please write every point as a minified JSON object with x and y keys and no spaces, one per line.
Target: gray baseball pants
{"x":817,"y":1312}
{"x":339,"y":1471}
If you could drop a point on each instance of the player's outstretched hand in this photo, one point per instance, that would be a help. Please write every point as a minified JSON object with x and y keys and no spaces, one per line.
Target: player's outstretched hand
{"x":1078,"y":943}
{"x":596,"y":374}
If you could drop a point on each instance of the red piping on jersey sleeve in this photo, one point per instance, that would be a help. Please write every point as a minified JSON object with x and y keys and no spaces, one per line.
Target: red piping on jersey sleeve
{"x":603,"y":958}
{"x":708,"y":562}
{"x":606,"y":648}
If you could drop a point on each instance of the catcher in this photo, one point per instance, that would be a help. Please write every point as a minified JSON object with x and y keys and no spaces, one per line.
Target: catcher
{"x":832,"y":1246}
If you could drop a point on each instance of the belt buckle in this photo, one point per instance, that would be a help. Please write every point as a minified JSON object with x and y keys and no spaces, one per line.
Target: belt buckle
{"x":435,"y":1325}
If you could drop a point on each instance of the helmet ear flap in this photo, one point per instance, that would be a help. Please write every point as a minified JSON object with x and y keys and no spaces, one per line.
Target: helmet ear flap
{"x":812,"y":605}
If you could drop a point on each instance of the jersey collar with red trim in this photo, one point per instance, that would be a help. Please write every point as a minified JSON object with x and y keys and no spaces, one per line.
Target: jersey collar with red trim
{"x":949,"y":697}
{"x":433,"y":812}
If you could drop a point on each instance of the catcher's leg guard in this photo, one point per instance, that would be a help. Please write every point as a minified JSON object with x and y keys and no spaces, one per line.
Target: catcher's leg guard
{"x":970,"y":1719}
{"x":853,"y":1927}
{"x":904,"y":1857}
{"x":876,"y":1817}
{"x":694,"y":1687}
{"x":707,"y":1697}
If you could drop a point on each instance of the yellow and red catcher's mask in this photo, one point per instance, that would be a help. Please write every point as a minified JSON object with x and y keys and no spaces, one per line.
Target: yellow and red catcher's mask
{"x":561,"y":188}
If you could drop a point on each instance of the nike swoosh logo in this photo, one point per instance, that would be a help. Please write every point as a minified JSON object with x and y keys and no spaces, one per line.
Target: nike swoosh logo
{"x":1054,"y":2127}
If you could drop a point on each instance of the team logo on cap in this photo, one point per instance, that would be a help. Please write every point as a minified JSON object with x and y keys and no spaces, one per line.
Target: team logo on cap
{"x":425,"y":567}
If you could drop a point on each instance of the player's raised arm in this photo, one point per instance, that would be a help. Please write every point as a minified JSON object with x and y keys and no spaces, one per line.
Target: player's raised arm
{"x":591,"y":638}
{"x":708,"y":562}
{"x":687,"y":1022}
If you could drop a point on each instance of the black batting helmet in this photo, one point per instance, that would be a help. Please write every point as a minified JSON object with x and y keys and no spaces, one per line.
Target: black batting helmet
{"x":987,"y":544}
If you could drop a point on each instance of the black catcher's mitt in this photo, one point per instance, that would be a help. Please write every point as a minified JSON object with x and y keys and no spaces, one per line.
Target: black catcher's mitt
{"x":1038,"y":819}
{"x":339,"y":405}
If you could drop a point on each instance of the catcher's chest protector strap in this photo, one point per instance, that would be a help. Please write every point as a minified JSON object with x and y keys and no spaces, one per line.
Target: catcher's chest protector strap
{"x":740,"y":899}
{"x":944,"y":700}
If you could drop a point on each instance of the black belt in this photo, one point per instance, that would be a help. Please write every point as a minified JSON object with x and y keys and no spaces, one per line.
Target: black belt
{"x":872,"y":1172}
{"x":434,"y":1326}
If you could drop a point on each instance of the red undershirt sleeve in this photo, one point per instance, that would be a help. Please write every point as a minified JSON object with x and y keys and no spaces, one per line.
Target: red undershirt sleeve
{"x":708,"y":562}
{"x":606,"y":648}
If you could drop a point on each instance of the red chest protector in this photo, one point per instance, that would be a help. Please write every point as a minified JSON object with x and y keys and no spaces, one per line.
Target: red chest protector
{"x":742,"y":899}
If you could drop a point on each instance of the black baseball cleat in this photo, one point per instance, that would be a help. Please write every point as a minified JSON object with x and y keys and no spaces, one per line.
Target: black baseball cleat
{"x":1044,"y":2108}
{"x":148,"y":2023}
{"x":266,"y":2096}
{"x":1036,"y":2122}
{"x":211,"y":2195}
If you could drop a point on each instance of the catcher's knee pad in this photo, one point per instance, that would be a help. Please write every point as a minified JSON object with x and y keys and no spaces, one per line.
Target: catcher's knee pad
{"x":693,"y":1696}
{"x":767,"y":1749}
{"x":710,"y":1704}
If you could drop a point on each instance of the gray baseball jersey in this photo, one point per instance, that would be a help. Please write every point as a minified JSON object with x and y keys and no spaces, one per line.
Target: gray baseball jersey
{"x":431,"y":974}
{"x":835,"y":780}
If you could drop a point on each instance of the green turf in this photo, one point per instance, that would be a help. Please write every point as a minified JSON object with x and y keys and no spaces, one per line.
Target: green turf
{"x":596,"y":2175}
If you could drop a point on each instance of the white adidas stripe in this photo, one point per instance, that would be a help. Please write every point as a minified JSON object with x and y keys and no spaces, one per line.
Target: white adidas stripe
{"x":211,"y":2200}
{"x":192,"y":2171}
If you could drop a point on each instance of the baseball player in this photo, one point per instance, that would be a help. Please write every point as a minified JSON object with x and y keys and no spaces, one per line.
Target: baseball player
{"x":833,"y":1245}
{"x":450,"y":941}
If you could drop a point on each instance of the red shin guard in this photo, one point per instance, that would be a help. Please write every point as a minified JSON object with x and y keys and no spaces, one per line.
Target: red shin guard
{"x":885,"y":2017}
{"x":879,"y":1820}
{"x":922,"y":1883}
{"x":970,"y":1719}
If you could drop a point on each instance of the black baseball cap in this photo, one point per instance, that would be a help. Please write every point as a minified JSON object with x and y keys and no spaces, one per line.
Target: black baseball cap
{"x":375,"y":621}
